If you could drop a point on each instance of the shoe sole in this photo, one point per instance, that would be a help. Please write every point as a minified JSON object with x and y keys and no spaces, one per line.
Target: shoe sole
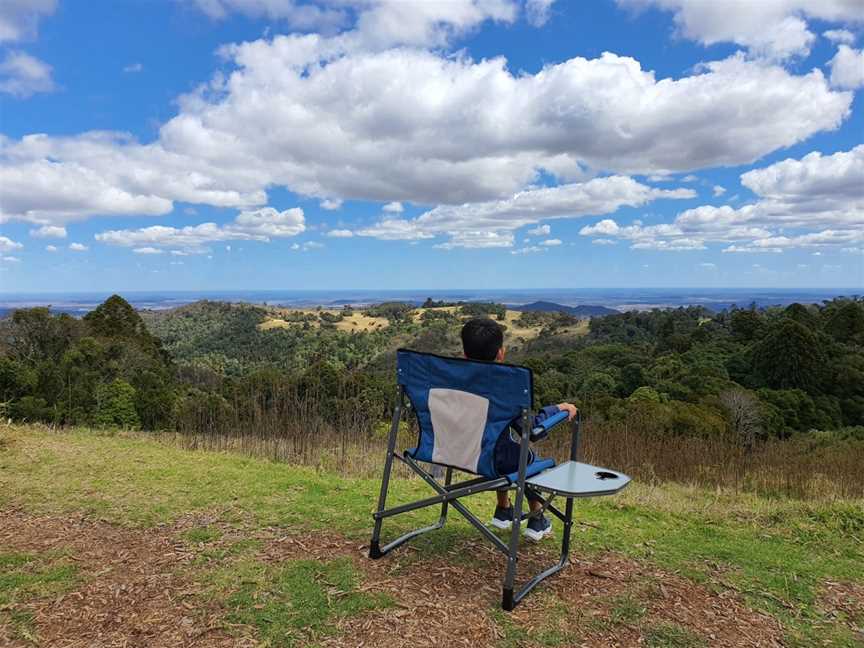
{"x":504,"y":525}
{"x":537,"y":536}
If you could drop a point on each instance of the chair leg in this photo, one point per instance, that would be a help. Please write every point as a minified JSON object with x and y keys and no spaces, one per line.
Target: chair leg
{"x":374,"y":545}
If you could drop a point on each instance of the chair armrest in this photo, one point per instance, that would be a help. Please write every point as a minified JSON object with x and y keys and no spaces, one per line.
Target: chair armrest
{"x":541,"y":430}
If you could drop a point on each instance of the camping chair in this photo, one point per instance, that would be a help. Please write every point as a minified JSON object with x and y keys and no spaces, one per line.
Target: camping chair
{"x":462,"y":407}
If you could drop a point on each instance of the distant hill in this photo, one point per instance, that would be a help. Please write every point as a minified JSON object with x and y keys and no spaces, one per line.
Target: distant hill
{"x":585,"y":310}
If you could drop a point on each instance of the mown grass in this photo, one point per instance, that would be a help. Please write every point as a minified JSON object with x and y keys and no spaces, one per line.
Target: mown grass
{"x":297,"y":601}
{"x":776,"y":553}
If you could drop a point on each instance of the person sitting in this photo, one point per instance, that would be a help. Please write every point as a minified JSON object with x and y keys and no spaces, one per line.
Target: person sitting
{"x":483,"y":339}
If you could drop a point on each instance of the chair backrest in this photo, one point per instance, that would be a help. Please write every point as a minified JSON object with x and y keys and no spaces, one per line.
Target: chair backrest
{"x":462,"y":406}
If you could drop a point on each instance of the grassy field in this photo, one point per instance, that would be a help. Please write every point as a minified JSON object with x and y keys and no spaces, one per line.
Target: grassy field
{"x":122,"y":539}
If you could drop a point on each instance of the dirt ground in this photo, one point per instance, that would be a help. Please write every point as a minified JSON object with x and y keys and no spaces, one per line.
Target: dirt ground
{"x":134,"y":590}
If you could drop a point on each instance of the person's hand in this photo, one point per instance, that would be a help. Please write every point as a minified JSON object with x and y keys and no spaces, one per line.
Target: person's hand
{"x":570,"y":408}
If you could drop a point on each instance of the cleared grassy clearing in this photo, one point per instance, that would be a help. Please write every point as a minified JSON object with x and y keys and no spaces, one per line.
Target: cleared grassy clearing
{"x":775,"y":555}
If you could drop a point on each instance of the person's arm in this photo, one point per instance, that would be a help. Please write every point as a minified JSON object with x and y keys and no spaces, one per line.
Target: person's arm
{"x":546,"y":413}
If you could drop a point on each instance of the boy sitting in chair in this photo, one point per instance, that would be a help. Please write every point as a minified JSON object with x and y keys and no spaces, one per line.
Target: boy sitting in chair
{"x":483,"y":339}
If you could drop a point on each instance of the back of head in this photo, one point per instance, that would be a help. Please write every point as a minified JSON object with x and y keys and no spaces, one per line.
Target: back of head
{"x":482,"y":339}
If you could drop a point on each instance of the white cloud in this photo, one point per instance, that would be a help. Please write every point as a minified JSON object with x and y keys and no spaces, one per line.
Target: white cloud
{"x":50,"y":248}
{"x":393,"y":208}
{"x":551,"y":242}
{"x":147,"y":250}
{"x":689,"y":178}
{"x":847,"y":68}
{"x":312,"y":245}
{"x":340,"y":233}
{"x":10,"y":259}
{"x":7,"y":244}
{"x":604,"y":241}
{"x":331,"y":204}
{"x":531,"y":249}
{"x":19,"y":19}
{"x":815,"y":201}
{"x":491,"y":224}
{"x":256,"y":225}
{"x":537,"y":11}
{"x":78,"y":247}
{"x":22,"y":75}
{"x":718,"y":190}
{"x":378,"y":23}
{"x":540,"y":230}
{"x":839,"y":36}
{"x":323,"y":119}
{"x":48,"y":231}
{"x":133,"y":67}
{"x":774,"y":29}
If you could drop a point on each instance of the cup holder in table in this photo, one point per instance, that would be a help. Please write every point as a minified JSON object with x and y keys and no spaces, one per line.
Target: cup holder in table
{"x":603,"y":475}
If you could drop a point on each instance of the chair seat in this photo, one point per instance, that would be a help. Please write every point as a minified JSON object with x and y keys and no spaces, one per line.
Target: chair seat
{"x":535,"y":467}
{"x":575,"y":479}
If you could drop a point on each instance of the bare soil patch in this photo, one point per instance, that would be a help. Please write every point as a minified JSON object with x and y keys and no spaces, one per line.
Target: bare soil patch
{"x":446,"y":601}
{"x":135,"y":591}
{"x":130,"y":593}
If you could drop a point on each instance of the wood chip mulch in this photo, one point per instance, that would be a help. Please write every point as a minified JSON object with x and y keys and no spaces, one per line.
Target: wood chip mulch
{"x":130,"y":591}
{"x":133,"y":593}
{"x":845,"y":602}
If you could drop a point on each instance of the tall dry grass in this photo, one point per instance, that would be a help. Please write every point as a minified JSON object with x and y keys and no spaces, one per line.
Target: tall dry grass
{"x":289,"y":427}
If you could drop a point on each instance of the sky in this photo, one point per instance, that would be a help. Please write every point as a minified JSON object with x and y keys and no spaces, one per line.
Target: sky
{"x":406,"y":144}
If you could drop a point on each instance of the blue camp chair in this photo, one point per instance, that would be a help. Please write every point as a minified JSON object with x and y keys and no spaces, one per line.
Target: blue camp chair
{"x":462,"y":407}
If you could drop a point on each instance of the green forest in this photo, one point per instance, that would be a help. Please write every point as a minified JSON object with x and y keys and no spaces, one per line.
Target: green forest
{"x":751,"y":373}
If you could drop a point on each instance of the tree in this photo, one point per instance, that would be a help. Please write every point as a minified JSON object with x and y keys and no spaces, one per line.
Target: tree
{"x":745,"y":418}
{"x":790,"y":357}
{"x":115,"y":405}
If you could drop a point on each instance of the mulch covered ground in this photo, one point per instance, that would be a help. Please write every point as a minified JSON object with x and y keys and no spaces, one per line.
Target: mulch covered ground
{"x":134,"y":591}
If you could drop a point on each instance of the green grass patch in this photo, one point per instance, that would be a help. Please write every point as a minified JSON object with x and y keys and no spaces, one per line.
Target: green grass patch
{"x":24,"y":577}
{"x":776,"y":553}
{"x":296,"y":602}
{"x":670,"y":635}
{"x":201,"y":535}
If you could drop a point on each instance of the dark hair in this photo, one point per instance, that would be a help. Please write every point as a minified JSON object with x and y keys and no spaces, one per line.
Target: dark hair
{"x":481,"y":339}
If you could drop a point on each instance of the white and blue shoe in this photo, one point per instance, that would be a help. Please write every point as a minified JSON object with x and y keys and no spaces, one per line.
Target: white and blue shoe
{"x":503,"y":518}
{"x":538,"y":528}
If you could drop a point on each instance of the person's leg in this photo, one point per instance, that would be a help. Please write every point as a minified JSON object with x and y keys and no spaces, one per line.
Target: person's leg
{"x":503,"y":497}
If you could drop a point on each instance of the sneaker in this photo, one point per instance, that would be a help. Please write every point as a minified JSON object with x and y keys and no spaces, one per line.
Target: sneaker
{"x":538,"y":528}
{"x":503,"y":518}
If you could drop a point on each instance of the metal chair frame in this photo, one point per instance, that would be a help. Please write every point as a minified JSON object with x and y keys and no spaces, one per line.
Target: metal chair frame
{"x":448,"y":494}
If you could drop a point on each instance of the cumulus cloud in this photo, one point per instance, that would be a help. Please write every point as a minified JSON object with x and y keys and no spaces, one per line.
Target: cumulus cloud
{"x":393,"y":208}
{"x":775,"y":29}
{"x":537,"y":12}
{"x":147,"y":250}
{"x":847,"y":68}
{"x":812,"y":202}
{"x":340,"y":233}
{"x":22,"y":75}
{"x":531,"y":249}
{"x":325,"y":117}
{"x":839,"y":36}
{"x":551,"y":242}
{"x":492,"y":223}
{"x":50,"y":248}
{"x":10,"y":259}
{"x":540,"y":230}
{"x":604,"y":241}
{"x":718,"y":190}
{"x":48,"y":231}
{"x":19,"y":19}
{"x":7,"y":244}
{"x":331,"y":204}
{"x":251,"y":225}
{"x":78,"y":247}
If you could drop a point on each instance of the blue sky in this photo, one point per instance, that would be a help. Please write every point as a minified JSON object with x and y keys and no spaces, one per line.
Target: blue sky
{"x":389,"y":144}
